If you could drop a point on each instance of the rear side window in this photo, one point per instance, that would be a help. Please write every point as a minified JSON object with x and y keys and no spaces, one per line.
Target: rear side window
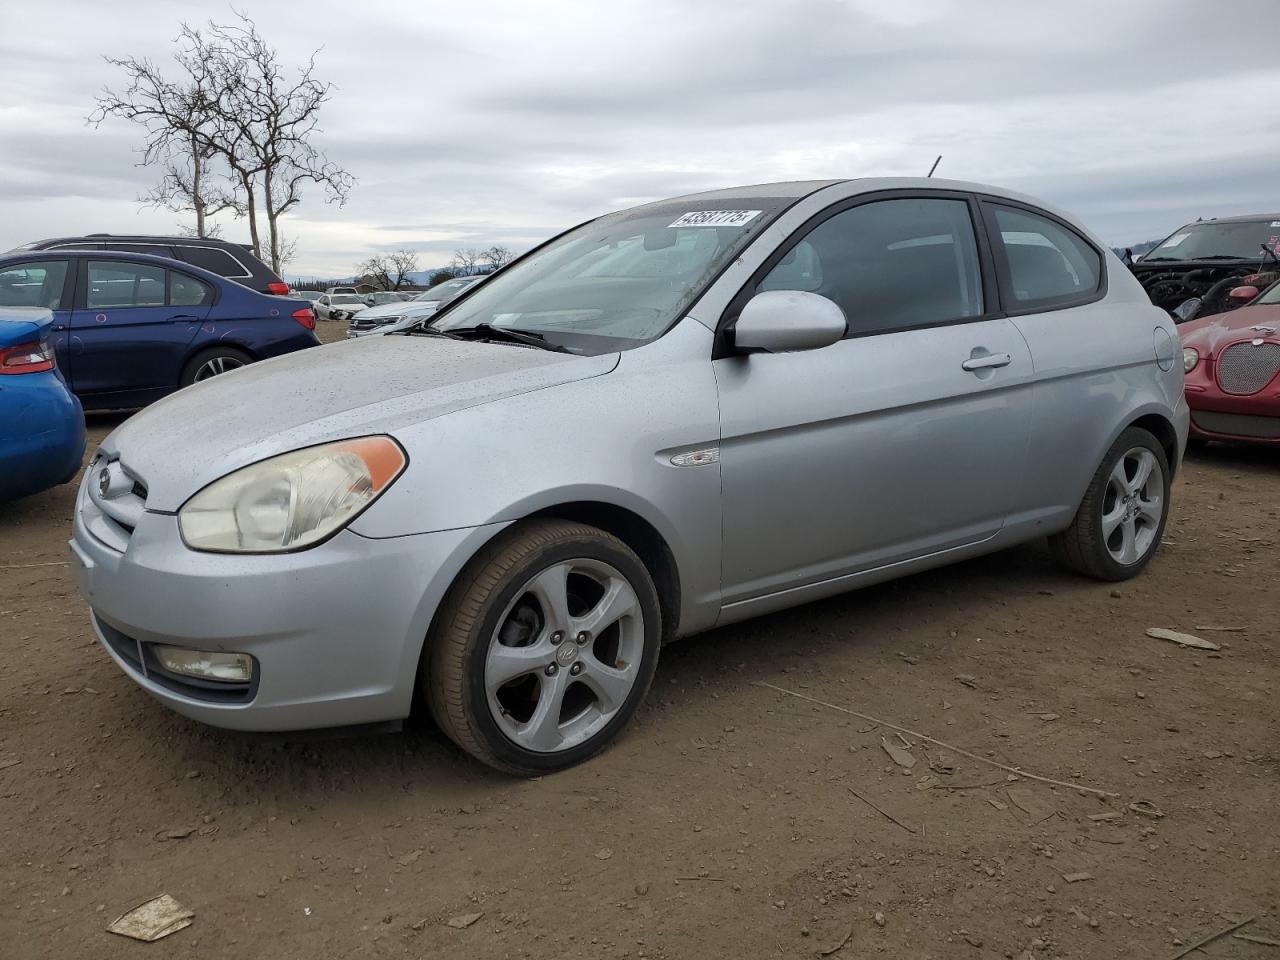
{"x":36,"y":284}
{"x":185,"y":291}
{"x":214,"y":260}
{"x":118,"y":283}
{"x":890,"y":264}
{"x":1048,"y":264}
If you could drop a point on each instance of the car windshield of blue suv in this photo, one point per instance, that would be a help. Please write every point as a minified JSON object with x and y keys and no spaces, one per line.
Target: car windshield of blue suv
{"x":616,"y":282}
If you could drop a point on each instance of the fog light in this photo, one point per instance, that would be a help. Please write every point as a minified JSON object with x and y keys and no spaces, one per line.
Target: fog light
{"x":204,"y":664}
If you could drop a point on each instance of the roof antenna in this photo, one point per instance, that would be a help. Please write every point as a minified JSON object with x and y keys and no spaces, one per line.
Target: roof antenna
{"x":935,"y":165}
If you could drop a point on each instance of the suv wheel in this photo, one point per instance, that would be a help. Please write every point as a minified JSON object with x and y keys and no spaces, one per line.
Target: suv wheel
{"x":211,"y":362}
{"x":544,"y":647}
{"x":1118,"y":527}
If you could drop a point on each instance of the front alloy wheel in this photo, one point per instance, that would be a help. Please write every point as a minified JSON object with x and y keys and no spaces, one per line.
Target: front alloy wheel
{"x":544,"y":647}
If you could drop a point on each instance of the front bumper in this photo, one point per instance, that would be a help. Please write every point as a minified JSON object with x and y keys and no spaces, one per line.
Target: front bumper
{"x":335,"y":631}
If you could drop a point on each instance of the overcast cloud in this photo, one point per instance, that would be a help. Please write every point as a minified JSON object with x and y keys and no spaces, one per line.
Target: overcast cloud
{"x":506,"y":122}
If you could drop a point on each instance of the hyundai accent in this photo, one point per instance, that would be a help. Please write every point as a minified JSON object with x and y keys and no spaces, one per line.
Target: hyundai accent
{"x":664,"y":420}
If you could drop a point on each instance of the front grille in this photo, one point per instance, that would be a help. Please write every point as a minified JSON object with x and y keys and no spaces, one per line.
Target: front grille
{"x":1237,"y":424}
{"x":112,"y":517}
{"x":1244,"y":368}
{"x":139,"y":656}
{"x":359,"y":324}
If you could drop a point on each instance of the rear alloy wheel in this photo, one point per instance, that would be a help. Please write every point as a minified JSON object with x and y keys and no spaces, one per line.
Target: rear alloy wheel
{"x":544,"y":648}
{"x":210,"y":363}
{"x":1121,"y":519}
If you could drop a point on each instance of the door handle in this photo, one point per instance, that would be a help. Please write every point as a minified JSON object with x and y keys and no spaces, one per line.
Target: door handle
{"x":987,"y":362}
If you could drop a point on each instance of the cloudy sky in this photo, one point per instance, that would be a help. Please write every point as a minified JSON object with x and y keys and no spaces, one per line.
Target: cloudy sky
{"x":505,"y":122}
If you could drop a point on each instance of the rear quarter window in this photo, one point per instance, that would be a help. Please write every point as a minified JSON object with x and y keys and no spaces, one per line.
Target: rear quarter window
{"x":1047,"y":264}
{"x":214,"y":260}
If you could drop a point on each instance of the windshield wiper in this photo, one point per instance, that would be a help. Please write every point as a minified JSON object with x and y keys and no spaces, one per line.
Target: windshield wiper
{"x":422,"y":330}
{"x":487,"y":331}
{"x":1221,"y":256}
{"x":1158,"y":260}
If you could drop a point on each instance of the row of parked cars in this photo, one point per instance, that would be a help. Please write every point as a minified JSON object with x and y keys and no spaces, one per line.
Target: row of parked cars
{"x":670,"y":418}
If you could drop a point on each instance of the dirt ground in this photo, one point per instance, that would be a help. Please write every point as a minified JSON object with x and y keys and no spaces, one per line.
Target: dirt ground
{"x":724,"y":823}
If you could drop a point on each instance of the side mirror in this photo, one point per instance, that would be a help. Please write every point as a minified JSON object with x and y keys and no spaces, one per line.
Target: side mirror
{"x":1242,"y":295}
{"x":780,"y":321}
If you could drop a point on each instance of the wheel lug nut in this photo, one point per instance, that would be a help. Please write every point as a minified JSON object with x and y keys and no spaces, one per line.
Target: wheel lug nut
{"x":551,"y":670}
{"x":575,"y":669}
{"x":557,"y":638}
{"x":583,"y":637}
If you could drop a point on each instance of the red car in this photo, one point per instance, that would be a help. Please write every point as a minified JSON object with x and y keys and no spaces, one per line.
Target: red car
{"x":1232,"y":364}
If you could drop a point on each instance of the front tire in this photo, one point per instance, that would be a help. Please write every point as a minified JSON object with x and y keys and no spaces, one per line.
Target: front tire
{"x":1119,"y":524}
{"x":544,"y":647}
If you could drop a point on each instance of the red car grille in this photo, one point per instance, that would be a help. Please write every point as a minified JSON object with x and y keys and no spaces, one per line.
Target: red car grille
{"x":1245,"y":368}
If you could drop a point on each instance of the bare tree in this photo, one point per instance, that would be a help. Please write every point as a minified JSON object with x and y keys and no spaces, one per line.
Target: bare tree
{"x":178,"y":117}
{"x":496,"y":256}
{"x":466,"y":260}
{"x":189,"y":184}
{"x":390,"y":271}
{"x":236,"y":104}
{"x":267,"y":119}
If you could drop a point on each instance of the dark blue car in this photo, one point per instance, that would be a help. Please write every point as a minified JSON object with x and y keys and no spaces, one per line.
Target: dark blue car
{"x":41,"y":423}
{"x":130,"y":328}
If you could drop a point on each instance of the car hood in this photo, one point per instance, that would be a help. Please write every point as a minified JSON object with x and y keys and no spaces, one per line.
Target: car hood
{"x":360,"y":387}
{"x":402,"y":309}
{"x":1210,"y":334}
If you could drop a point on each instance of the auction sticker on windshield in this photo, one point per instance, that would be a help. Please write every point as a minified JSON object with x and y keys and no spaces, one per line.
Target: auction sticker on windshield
{"x":716,"y":218}
{"x":1176,"y":239}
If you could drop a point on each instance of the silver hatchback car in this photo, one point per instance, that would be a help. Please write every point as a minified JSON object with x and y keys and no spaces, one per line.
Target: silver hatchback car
{"x":664,"y":420}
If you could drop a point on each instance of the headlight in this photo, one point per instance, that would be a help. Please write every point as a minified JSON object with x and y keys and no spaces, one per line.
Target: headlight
{"x":292,"y":501}
{"x":1190,"y":357}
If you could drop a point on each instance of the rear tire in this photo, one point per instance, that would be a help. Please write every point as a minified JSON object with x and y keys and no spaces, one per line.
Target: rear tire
{"x":543,"y":648}
{"x":211,"y":362}
{"x":1117,"y":529}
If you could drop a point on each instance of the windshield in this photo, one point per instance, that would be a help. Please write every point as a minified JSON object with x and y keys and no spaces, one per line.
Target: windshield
{"x":1272,"y":295}
{"x":381,"y":298}
{"x":618,"y":281}
{"x":1218,"y":239}
{"x":346,"y":298}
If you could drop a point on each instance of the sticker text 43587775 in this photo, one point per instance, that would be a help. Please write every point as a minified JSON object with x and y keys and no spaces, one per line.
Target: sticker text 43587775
{"x":716,"y":218}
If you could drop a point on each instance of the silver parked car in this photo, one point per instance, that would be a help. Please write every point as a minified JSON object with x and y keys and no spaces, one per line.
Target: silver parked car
{"x":668,"y":419}
{"x":382,"y":319}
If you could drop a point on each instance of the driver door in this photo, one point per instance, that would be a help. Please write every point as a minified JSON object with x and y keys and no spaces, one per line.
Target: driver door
{"x":907,"y":438}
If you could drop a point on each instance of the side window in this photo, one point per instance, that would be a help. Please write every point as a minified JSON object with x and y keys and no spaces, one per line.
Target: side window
{"x":1048,"y":264}
{"x":185,"y":291}
{"x":214,"y":260}
{"x":889,"y":264}
{"x":35,"y":284}
{"x":119,"y":283}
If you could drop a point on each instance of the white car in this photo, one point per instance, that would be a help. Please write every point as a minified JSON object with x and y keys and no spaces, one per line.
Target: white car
{"x":382,"y":318}
{"x":339,"y":306}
